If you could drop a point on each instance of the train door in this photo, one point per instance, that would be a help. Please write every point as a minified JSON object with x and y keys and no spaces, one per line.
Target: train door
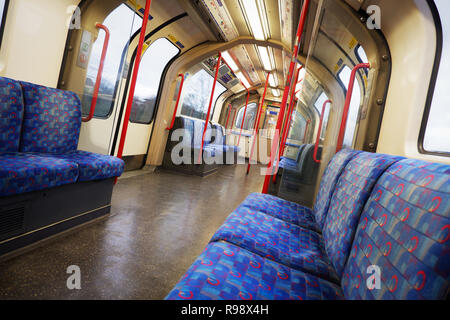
{"x":123,"y":22}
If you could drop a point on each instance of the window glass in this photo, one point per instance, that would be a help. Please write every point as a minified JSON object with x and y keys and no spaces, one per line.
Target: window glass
{"x":298,"y":126}
{"x":350,"y":130}
{"x":437,"y":133}
{"x":153,"y":63}
{"x":250,"y":116}
{"x":361,"y":53}
{"x":122,"y":23}
{"x":197,"y":93}
{"x":2,"y":12}
{"x":319,"y":105}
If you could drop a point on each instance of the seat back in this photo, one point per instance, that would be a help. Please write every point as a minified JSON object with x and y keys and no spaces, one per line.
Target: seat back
{"x":299,"y":152}
{"x":352,"y":191}
{"x":187,"y":127}
{"x":404,"y":231}
{"x":199,"y":127}
{"x":11,"y":112}
{"x":52,"y":120}
{"x":328,"y":183}
{"x":218,"y":135}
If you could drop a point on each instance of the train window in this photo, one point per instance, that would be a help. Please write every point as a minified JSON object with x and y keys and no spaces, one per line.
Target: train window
{"x":361,"y":54}
{"x":352,"y":119}
{"x":197,"y":93}
{"x":118,"y":22}
{"x":250,"y":116}
{"x":319,"y":105}
{"x":435,"y":128}
{"x":298,"y":126}
{"x":3,"y":9}
{"x":154,"y":61}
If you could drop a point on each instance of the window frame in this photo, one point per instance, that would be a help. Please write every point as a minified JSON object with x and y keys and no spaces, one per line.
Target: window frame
{"x":161,"y":80}
{"x":3,"y":23}
{"x":433,"y":81}
{"x":360,"y":60}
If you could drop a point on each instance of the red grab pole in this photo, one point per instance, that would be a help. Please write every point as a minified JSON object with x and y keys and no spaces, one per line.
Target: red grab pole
{"x":178,"y":101}
{"x":99,"y":74}
{"x":306,"y":130}
{"x":200,"y":154}
{"x":316,"y":147}
{"x":287,"y":124}
{"x":348,"y":100}
{"x":234,"y":117}
{"x":256,"y":129}
{"x":134,"y":76}
{"x":245,"y":112}
{"x":275,"y":142}
{"x":228,"y":117}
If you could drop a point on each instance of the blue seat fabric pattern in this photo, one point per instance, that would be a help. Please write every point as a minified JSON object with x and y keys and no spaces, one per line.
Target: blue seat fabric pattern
{"x":11,"y":114}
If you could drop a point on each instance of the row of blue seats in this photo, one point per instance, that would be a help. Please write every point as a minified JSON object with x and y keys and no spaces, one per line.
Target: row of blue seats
{"x":379,"y":229}
{"x":39,"y":132}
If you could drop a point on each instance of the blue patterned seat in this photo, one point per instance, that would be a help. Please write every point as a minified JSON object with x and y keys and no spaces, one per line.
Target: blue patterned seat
{"x":300,"y":215}
{"x":405,"y":231}
{"x":93,"y":166}
{"x":21,"y":173}
{"x":227,"y":272}
{"x":11,"y":114}
{"x":274,"y":239}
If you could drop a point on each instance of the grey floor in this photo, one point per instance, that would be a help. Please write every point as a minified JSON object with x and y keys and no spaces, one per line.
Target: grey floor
{"x":160,"y":222}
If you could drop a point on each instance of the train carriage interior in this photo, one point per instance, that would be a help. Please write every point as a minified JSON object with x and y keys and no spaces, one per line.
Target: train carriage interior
{"x":224,"y":149}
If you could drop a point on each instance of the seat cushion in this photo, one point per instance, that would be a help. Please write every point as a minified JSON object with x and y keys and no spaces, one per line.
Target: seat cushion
{"x":282,"y":242}
{"x":281,"y":209}
{"x":352,"y":191}
{"x":405,"y":231}
{"x":52,"y":120}
{"x":92,"y":166}
{"x":227,"y":272}
{"x":328,"y":183}
{"x":11,"y":114}
{"x":21,"y":173}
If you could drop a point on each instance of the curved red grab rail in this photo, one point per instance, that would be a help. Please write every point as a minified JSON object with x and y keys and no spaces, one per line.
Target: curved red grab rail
{"x":228,"y":117}
{"x":245,"y":112}
{"x":178,"y":101}
{"x":200,"y":154}
{"x":316,"y":147}
{"x":348,"y":100}
{"x":99,"y":73}
{"x":275,"y":142}
{"x":306,"y":130}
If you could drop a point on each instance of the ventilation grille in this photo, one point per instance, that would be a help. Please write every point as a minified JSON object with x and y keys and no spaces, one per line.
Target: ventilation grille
{"x":11,"y":220}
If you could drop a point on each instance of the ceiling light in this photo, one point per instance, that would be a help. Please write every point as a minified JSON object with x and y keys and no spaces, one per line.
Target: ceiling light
{"x":253,"y":19}
{"x":265,"y":58}
{"x":264,"y":19}
{"x":230,"y":61}
{"x":272,"y":81}
{"x":275,"y":92}
{"x":243,"y":79}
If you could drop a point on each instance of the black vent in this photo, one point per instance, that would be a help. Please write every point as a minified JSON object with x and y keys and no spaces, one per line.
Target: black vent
{"x":11,"y":221}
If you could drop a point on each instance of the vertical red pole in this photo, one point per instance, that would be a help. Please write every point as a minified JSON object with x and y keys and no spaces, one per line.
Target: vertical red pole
{"x":228,"y":117}
{"x":286,"y":125}
{"x":134,"y":76}
{"x":316,"y":147}
{"x":178,"y":101}
{"x":99,"y":73}
{"x":275,"y":142}
{"x":234,"y":118}
{"x":245,"y":112}
{"x":306,"y":130}
{"x":200,"y":154}
{"x":348,"y":100}
{"x":256,"y":129}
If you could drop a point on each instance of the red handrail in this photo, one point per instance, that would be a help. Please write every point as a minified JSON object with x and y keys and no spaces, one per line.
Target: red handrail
{"x":200,"y":154}
{"x":306,"y":130}
{"x":258,"y":117}
{"x":245,"y":112}
{"x":228,"y":117}
{"x":287,"y":124}
{"x":134,"y":76}
{"x":275,"y":142}
{"x":234,"y":118}
{"x":348,"y":100}
{"x":316,"y":147}
{"x":99,"y":74}
{"x":178,"y":101}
